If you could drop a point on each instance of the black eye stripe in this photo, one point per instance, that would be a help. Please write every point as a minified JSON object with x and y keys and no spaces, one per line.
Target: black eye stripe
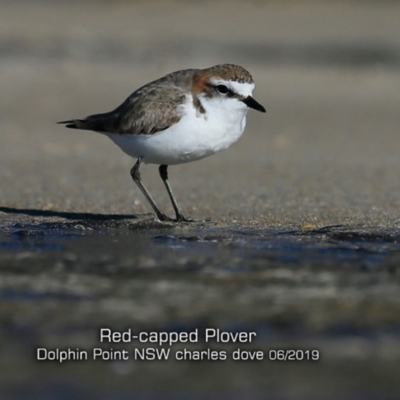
{"x":228,"y":93}
{"x":223,"y":89}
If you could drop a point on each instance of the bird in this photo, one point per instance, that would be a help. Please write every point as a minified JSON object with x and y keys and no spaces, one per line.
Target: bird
{"x":184,"y":116}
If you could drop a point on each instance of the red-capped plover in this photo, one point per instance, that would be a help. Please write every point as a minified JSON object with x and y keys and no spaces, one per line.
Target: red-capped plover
{"x":184,"y":116}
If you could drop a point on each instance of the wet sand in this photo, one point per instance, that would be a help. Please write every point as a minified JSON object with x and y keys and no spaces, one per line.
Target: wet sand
{"x":297,"y":236}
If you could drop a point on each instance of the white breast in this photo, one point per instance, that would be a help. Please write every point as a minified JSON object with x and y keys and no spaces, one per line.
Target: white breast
{"x":195,"y":136}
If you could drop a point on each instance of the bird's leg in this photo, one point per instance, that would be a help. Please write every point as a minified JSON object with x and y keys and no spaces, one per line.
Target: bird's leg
{"x":164,"y":176}
{"x":135,"y":173}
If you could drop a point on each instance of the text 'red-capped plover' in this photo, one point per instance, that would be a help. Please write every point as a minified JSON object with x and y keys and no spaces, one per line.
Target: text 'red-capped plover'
{"x":184,"y":116}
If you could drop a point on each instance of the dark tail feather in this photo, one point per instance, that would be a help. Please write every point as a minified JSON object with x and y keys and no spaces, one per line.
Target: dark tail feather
{"x":73,"y":123}
{"x":85,"y":124}
{"x":96,"y":122}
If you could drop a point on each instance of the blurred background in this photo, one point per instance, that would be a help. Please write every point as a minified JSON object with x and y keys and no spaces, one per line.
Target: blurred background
{"x":326,"y":153}
{"x":327,"y":72}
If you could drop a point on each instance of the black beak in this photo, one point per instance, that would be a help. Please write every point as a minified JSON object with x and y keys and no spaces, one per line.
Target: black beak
{"x":251,"y":103}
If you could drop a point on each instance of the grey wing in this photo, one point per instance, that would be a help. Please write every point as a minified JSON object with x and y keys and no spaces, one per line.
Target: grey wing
{"x":151,"y":109}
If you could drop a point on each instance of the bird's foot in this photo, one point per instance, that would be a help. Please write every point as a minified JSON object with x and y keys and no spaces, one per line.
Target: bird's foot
{"x":164,"y":218}
{"x":181,"y":218}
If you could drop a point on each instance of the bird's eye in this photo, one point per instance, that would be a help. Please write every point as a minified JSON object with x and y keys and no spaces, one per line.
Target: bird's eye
{"x":222,"y":89}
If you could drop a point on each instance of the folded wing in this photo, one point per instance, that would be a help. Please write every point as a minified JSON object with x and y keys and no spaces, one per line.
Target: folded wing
{"x":151,"y":109}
